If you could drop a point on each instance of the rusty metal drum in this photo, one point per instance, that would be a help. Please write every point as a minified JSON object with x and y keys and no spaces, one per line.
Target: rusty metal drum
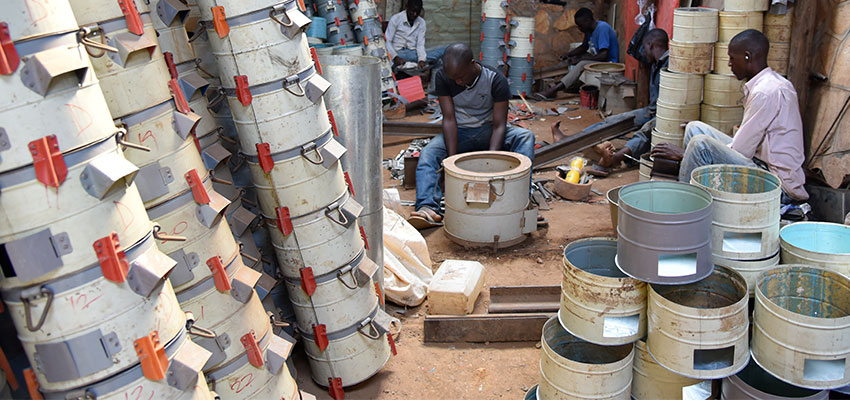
{"x":749,"y":269}
{"x":599,"y":303}
{"x":755,"y":383}
{"x":571,"y":368}
{"x":651,"y":381}
{"x":700,"y":330}
{"x":664,"y":232}
{"x":801,"y":326}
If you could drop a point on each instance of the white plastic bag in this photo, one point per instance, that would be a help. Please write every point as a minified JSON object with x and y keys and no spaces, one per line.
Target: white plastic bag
{"x":407,"y":264}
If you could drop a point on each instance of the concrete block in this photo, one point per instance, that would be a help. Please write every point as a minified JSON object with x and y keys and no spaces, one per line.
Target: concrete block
{"x":455,"y":287}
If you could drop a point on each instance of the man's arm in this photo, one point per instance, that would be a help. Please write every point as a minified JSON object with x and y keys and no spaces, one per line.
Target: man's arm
{"x":500,"y":125}
{"x":578,"y":50}
{"x":760,"y":112}
{"x":390,"y":34}
{"x":447,"y":106}
{"x":421,"y":55}
{"x":601,"y":55}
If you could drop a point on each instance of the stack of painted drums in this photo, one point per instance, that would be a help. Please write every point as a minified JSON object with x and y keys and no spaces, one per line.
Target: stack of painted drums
{"x":83,"y":280}
{"x":176,"y":181}
{"x":306,"y":205}
{"x":521,"y":56}
{"x":335,"y":13}
{"x":778,"y":29}
{"x":494,"y":34}
{"x":367,"y":30}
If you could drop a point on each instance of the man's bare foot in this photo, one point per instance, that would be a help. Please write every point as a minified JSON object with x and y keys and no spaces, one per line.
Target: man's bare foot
{"x":607,"y":153}
{"x":557,"y":135}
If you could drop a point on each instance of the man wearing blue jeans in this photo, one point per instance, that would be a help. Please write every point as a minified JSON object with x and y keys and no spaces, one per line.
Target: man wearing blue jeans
{"x":474,"y":102}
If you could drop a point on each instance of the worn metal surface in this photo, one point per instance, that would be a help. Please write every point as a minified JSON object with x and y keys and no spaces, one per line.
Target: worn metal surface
{"x":750,"y":270}
{"x":821,"y":244}
{"x":613,"y":197}
{"x":745,"y":214}
{"x":91,"y":11}
{"x":522,"y":38}
{"x":355,"y":353}
{"x":659,"y":137}
{"x":755,"y":383}
{"x":599,"y":303}
{"x":695,"y":25}
{"x":242,"y":380}
{"x":164,"y":179}
{"x":24,"y":24}
{"x":480,"y":328}
{"x":614,"y":127}
{"x":487,"y":198}
{"x":652,"y":381}
{"x":517,"y":299}
{"x":670,"y":117}
{"x":412,"y":129}
{"x":801,"y":326}
{"x":700,"y":330}
{"x":679,"y":88}
{"x":691,"y":58}
{"x":730,"y":23}
{"x":723,"y":118}
{"x":355,"y":99}
{"x":573,"y":368}
{"x":664,"y":232}
{"x":721,"y":59}
{"x":723,"y":90}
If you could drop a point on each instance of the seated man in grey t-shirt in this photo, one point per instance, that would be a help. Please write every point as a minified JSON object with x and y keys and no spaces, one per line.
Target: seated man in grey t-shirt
{"x":474,"y":102}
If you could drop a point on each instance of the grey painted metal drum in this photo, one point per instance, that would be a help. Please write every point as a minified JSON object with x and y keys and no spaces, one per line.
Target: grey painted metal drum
{"x":355,"y":98}
{"x":821,"y":244}
{"x":520,"y":75}
{"x":801,"y":326}
{"x":363,"y":9}
{"x":494,"y":28}
{"x":487,"y":198}
{"x":35,"y":217}
{"x":322,"y":240}
{"x":268,"y":378}
{"x":651,"y":381}
{"x":88,"y":330}
{"x":598,"y":303}
{"x":369,"y":30}
{"x":341,"y":33}
{"x":304,"y":180}
{"x":296,"y":108}
{"x":664,"y":231}
{"x":55,"y":79}
{"x":330,"y":9}
{"x":750,"y":270}
{"x":700,"y":330}
{"x":353,"y":354}
{"x":348,"y":50}
{"x":755,"y":383}
{"x":318,"y":28}
{"x":571,"y":368}
{"x":185,"y":380}
{"x":260,"y":47}
{"x":342,"y":297}
{"x":745,"y":214}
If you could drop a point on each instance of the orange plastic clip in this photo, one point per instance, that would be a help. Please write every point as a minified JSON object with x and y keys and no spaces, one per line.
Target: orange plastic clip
{"x":113,"y":261}
{"x":220,"y":22}
{"x":32,"y":384}
{"x":255,"y":354}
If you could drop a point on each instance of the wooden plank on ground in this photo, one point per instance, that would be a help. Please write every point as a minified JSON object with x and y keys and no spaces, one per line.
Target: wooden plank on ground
{"x":523,"y":299}
{"x":479,"y":328}
{"x":412,"y":129}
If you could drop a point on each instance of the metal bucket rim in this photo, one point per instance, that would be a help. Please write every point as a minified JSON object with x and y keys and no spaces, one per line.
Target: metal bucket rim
{"x":523,"y":167}
{"x":578,"y":245}
{"x":740,"y":286}
{"x":785,"y":243}
{"x":723,"y":169}
{"x":786,"y":270}
{"x":623,"y":202}
{"x":554,"y":324}
{"x":747,"y":387}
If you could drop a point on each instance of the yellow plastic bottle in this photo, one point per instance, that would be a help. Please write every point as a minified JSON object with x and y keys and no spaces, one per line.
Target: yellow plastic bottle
{"x":573,"y":176}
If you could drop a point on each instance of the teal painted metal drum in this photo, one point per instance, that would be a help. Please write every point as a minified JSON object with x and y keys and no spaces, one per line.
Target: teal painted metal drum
{"x":817,"y":243}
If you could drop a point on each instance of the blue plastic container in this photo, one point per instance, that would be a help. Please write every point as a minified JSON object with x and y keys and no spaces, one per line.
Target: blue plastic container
{"x":318,"y":28}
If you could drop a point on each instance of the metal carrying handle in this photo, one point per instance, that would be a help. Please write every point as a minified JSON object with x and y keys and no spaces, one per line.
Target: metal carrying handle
{"x":199,"y":30}
{"x":350,"y":271}
{"x":198,"y":331}
{"x":297,"y":83}
{"x":276,"y":322}
{"x":493,"y":189}
{"x":165,"y":237}
{"x":343,"y":221}
{"x":122,"y":133}
{"x":45,"y":291}
{"x":312,"y":147}
{"x":220,"y":133}
{"x":373,"y":334}
{"x":219,"y":180}
{"x":255,"y":260}
{"x":198,"y":62}
{"x":285,"y":25}
{"x":220,"y":96}
{"x":84,"y":36}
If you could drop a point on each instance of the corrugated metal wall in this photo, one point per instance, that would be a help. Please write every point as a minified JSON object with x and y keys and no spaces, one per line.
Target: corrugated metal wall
{"x":451,"y":21}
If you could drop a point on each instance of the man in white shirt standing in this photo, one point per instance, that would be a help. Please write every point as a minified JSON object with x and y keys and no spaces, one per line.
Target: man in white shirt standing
{"x":406,"y":38}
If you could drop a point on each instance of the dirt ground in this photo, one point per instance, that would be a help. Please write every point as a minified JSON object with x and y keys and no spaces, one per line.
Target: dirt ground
{"x":484,"y":370}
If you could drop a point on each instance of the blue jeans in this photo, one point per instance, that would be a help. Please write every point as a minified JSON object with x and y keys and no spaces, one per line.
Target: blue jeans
{"x":644,"y":120}
{"x":428,"y":192}
{"x":705,"y":145}
{"x":433,"y":55}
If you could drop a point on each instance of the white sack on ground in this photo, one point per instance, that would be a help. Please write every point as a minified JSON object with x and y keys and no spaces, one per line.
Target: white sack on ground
{"x":407,"y":264}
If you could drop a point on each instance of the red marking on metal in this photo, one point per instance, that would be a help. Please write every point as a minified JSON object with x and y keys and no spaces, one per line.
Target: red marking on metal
{"x":321,"y":334}
{"x":240,"y":384}
{"x":523,"y":76}
{"x":50,"y":168}
{"x":348,"y":182}
{"x":152,"y":356}
{"x":379,"y":293}
{"x":82,"y":299}
{"x":363,"y":235}
{"x":148,"y":135}
{"x":113,"y":262}
{"x":118,"y":207}
{"x":36,"y":20}
{"x":308,"y":281}
{"x":255,"y":354}
{"x":179,"y":100}
{"x":220,"y":22}
{"x":365,"y":41}
{"x":138,"y":391}
{"x":132,"y":17}
{"x":284,"y":222}
{"x":264,"y":155}
{"x":333,"y":122}
{"x":316,"y":60}
{"x":335,"y":388}
{"x":243,"y":91}
{"x":219,"y":273}
{"x":480,"y":56}
{"x":342,"y":41}
{"x":179,"y":228}
{"x":75,"y":110}
{"x":483,"y":17}
{"x":169,"y":61}
{"x":528,"y":57}
{"x":392,"y":343}
{"x":199,"y":192}
{"x":32,"y":384}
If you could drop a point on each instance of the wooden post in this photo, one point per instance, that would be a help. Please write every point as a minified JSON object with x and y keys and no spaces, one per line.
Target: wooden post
{"x":802,"y":51}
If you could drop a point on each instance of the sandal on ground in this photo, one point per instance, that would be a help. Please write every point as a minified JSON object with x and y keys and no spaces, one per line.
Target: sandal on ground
{"x":425,"y":218}
{"x":540,"y":96}
{"x":597,"y":170}
{"x":542,"y":222}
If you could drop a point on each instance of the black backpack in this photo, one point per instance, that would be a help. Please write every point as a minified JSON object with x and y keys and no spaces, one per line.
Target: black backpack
{"x":636,"y":44}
